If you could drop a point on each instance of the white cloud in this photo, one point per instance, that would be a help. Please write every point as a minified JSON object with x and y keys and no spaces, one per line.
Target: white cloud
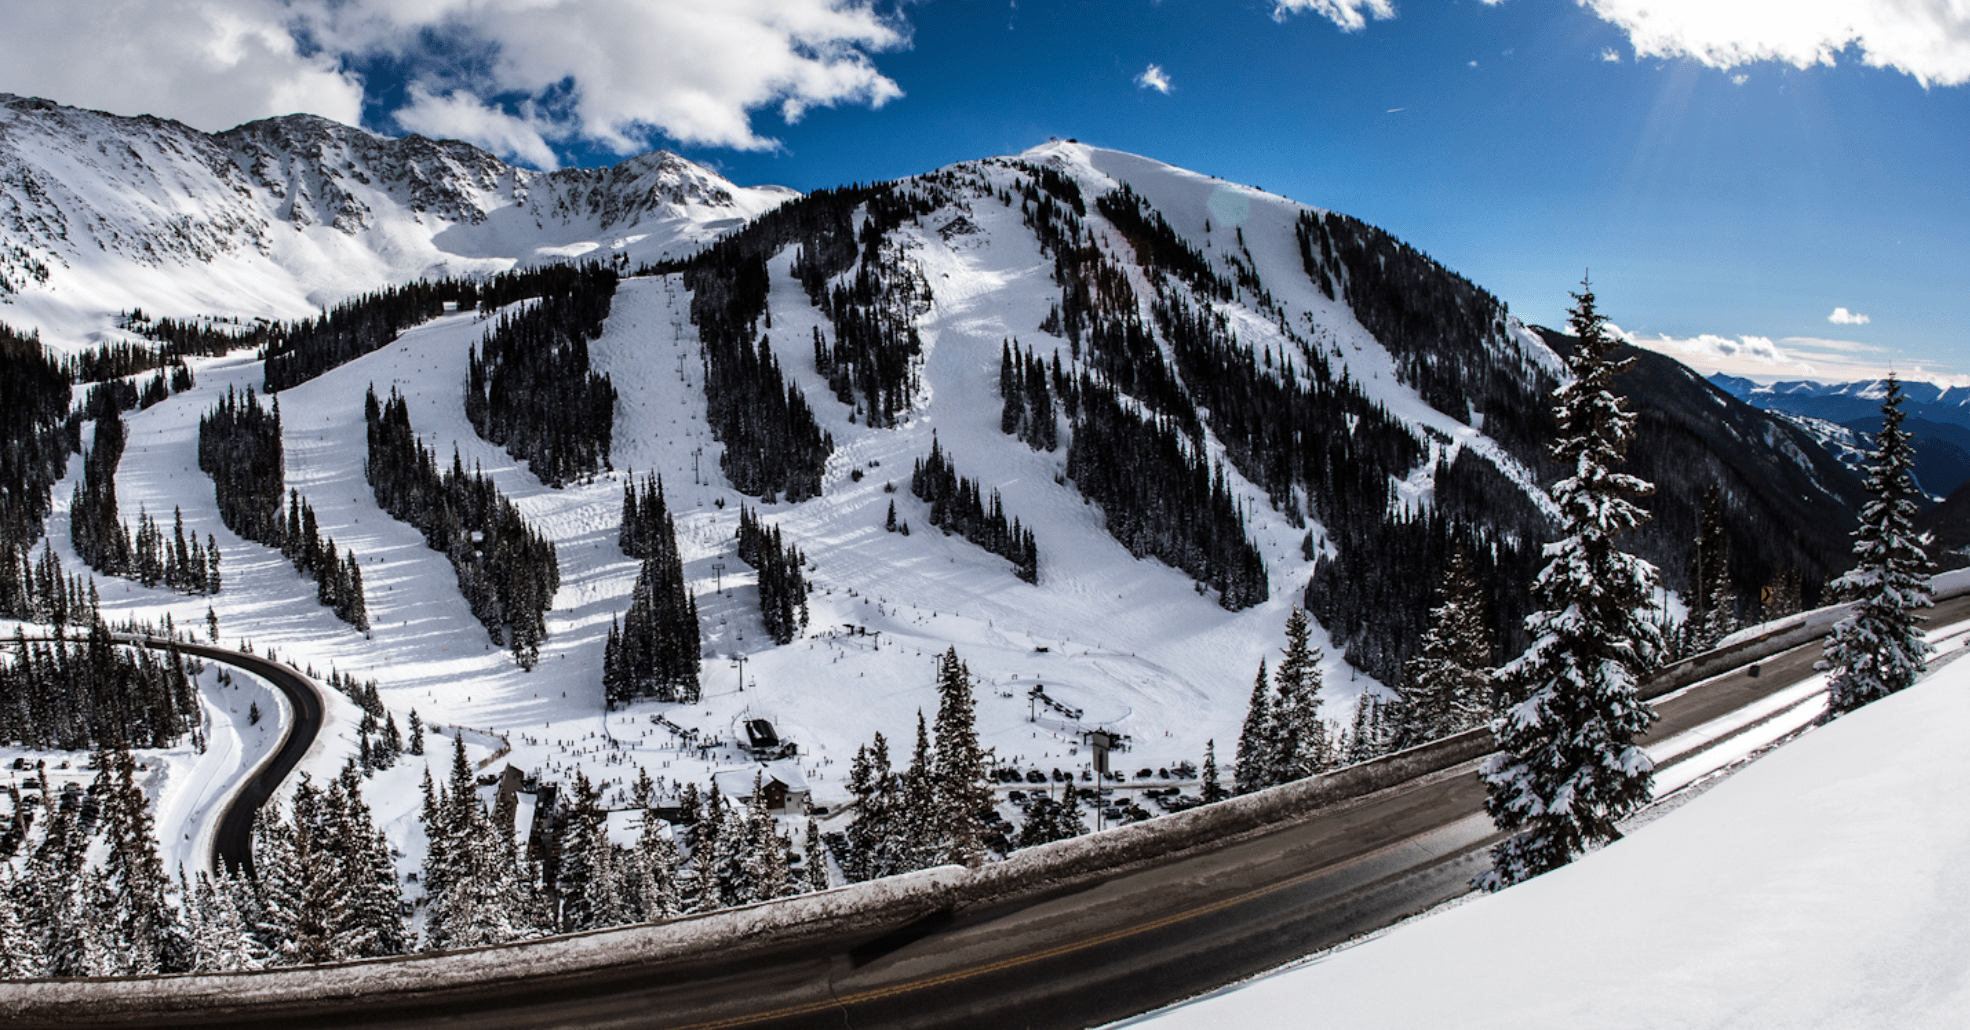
{"x":615,"y":72}
{"x":459,"y":115}
{"x":1841,"y":316}
{"x":1152,"y":77}
{"x":1740,"y":79}
{"x":1350,"y":15}
{"x":1927,"y":39}
{"x":208,"y":63}
{"x":1794,"y":357}
{"x":1610,"y":55}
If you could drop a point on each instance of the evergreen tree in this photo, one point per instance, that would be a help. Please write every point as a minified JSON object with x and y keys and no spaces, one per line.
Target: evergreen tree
{"x":507,"y":572}
{"x":722,"y":854}
{"x":963,"y":790}
{"x":1448,"y":686}
{"x":143,"y":920}
{"x":1568,"y":768}
{"x":654,"y":651}
{"x":281,"y":927}
{"x":529,"y":387}
{"x":1712,"y":604}
{"x":1880,"y":648}
{"x":957,"y":506}
{"x":815,"y":857}
{"x":870,"y":843}
{"x":365,"y":868}
{"x":1256,"y":766}
{"x":766,"y":850}
{"x":221,"y":939}
{"x":782,"y":587}
{"x":480,"y":893}
{"x":916,"y":842}
{"x":1300,"y":737}
{"x":20,"y":952}
{"x":656,"y":870}
{"x":1212,"y":788}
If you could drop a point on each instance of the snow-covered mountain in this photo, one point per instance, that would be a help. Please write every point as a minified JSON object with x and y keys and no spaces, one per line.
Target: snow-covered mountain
{"x":1938,"y":419}
{"x":1223,"y":404}
{"x":101,"y":213}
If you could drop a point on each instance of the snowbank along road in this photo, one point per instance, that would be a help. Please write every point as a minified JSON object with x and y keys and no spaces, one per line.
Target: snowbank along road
{"x":948,"y":947}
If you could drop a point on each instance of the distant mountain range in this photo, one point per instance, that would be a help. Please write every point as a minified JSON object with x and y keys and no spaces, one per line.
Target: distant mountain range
{"x":277,"y":218}
{"x":1938,"y":419}
{"x":1198,"y":402}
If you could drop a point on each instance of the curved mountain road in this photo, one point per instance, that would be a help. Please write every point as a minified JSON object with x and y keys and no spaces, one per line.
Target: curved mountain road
{"x":1079,"y":957}
{"x":232,"y":844}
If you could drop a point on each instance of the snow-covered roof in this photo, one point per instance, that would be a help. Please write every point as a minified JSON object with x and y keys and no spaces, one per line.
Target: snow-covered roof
{"x":737,"y":782}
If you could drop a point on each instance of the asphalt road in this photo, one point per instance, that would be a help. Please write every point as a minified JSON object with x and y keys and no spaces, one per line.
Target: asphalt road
{"x":232,"y":844}
{"x":1085,"y":957}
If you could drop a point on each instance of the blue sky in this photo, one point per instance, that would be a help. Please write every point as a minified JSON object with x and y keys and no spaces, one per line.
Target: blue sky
{"x":1733,"y":172}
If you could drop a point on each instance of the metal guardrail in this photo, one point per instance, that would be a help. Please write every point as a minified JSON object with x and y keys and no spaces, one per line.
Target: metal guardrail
{"x":840,"y":913}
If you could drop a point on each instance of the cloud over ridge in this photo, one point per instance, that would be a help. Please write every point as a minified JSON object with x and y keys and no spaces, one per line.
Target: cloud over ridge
{"x":514,"y":76}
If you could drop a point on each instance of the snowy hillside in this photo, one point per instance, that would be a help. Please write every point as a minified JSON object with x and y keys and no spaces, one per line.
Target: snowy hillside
{"x":1197,"y":405}
{"x":1814,"y":888}
{"x":276,"y":218}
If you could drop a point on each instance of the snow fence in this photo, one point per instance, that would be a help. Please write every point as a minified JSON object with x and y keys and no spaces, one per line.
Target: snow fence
{"x":857,"y":911}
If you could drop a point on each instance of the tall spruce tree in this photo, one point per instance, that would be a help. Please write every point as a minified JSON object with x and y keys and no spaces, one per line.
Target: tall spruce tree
{"x":20,"y":951}
{"x":143,"y":921}
{"x":1254,"y":770}
{"x":1712,"y":603}
{"x":963,"y":791}
{"x":1880,"y":649}
{"x":1300,"y":737}
{"x":1211,"y":787}
{"x":1567,"y":768}
{"x":1448,"y":686}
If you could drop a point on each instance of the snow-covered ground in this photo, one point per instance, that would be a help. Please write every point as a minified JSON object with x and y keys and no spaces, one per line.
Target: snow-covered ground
{"x":188,"y":789}
{"x":1132,"y":644}
{"x":1129,"y":642}
{"x":1825,"y":885}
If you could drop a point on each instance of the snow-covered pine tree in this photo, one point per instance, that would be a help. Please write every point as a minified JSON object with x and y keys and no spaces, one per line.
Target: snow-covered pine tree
{"x":280,"y":923}
{"x":1254,"y":770}
{"x":369,"y":876}
{"x":582,"y":878}
{"x":766,"y":850}
{"x":722,"y":860}
{"x":20,"y":952}
{"x":1212,"y":789}
{"x":656,"y":870}
{"x":479,"y":892}
{"x":46,"y":881}
{"x":815,"y":858}
{"x":1567,"y":768}
{"x":1448,"y":686}
{"x":870,"y":780}
{"x":91,"y":919}
{"x":1880,"y":649}
{"x":962,"y":787}
{"x":144,"y":921}
{"x":220,"y":939}
{"x":1299,"y":735}
{"x":656,"y":653}
{"x":1068,"y":820}
{"x":1713,"y":605}
{"x":917,"y":840}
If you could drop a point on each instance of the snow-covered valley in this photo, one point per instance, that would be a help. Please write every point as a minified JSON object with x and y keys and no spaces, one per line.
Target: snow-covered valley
{"x":1102,"y":639}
